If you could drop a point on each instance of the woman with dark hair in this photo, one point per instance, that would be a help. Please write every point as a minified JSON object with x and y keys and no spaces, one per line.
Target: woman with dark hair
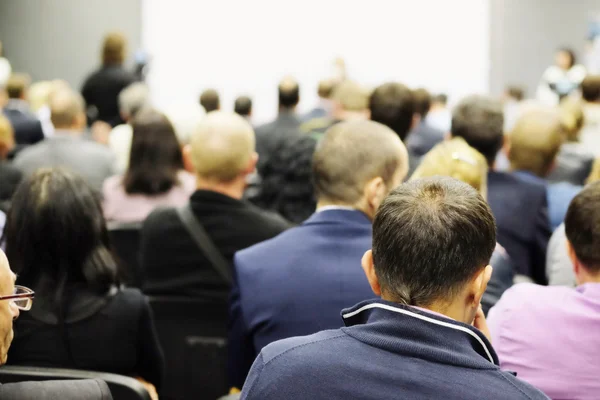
{"x":155,"y":175}
{"x":57,"y":243}
{"x":286,"y":186}
{"x":561,"y":79}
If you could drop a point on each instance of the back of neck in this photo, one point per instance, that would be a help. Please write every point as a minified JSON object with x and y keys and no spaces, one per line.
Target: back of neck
{"x":234,"y":189}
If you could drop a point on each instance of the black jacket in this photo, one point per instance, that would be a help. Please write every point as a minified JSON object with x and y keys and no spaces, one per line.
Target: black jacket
{"x":10,"y":177}
{"x":101,"y":93}
{"x":172,"y":262}
{"x":27,"y":127}
{"x":113,"y":333}
{"x":269,"y":135}
{"x":521,"y":211}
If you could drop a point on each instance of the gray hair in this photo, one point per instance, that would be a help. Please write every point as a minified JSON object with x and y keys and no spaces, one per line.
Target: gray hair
{"x":133,"y":99}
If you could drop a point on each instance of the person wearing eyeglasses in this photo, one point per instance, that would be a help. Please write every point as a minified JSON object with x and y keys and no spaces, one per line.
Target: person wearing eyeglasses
{"x":13,"y":300}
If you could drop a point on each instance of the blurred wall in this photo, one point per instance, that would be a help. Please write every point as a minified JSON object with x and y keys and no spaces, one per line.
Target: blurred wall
{"x":526,"y":33}
{"x":61,"y":38}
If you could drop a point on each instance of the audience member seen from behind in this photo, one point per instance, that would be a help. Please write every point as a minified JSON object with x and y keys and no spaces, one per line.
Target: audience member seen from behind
{"x":285,"y":124}
{"x":520,"y":206}
{"x":423,"y":136}
{"x":27,"y":127}
{"x":513,"y":103}
{"x":209,"y":99}
{"x":432,"y":241}
{"x":67,"y":148}
{"x":324,"y":106}
{"x":14,"y":299}
{"x":287,"y":183}
{"x":574,"y":160}
{"x":222,"y":153}
{"x":439,"y":115}
{"x":350,"y":102}
{"x":534,"y":144}
{"x":101,"y":89}
{"x":155,"y":176}
{"x":561,"y":79}
{"x":10,"y":177}
{"x":57,"y":242}
{"x":243,"y":107}
{"x":557,"y":349}
{"x":590,"y":93}
{"x":133,"y":99}
{"x":456,"y":159}
{"x":296,"y":283}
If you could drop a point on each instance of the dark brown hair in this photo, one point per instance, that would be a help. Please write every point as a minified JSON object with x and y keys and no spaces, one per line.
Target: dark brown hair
{"x":582,"y":226}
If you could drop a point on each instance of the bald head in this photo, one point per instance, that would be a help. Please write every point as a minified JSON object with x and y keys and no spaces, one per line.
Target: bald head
{"x":353,"y":153}
{"x":222,"y":147}
{"x":535,"y":141}
{"x":351,"y":96}
{"x":289,"y":92}
{"x":67,"y":109}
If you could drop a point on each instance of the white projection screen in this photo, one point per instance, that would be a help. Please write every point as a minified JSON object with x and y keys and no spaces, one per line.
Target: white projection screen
{"x":243,"y":47}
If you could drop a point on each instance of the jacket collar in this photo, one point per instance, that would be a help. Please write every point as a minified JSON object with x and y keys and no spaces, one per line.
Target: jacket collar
{"x":329,"y":216}
{"x":413,"y":332}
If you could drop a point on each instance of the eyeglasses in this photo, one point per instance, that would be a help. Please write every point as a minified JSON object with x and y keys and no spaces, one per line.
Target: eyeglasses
{"x":22,"y":298}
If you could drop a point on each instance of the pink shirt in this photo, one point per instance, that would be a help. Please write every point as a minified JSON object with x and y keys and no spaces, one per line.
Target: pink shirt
{"x":550,"y":336}
{"x":122,"y":207}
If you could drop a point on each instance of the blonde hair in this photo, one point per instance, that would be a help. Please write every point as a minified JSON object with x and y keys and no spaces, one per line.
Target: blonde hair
{"x":572,"y":118}
{"x":535,"y":141}
{"x":6,"y":130}
{"x":113,"y":49}
{"x":351,"y":96}
{"x":456,"y":159}
{"x":595,"y":174}
{"x":222,"y":146}
{"x":38,"y":94}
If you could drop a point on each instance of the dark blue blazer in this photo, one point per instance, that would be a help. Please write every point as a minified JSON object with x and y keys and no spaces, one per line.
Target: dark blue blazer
{"x":521,"y":211}
{"x":27,"y":127}
{"x":386,"y":351}
{"x":296,"y":284}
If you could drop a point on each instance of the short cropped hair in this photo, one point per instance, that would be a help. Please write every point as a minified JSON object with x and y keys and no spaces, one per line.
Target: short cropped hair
{"x":243,"y":106}
{"x":325,"y":89}
{"x":516,"y":92}
{"x":351,"y":96}
{"x":480,"y":121}
{"x":590,"y":88}
{"x":440,"y":99}
{"x":65,"y":106}
{"x":535,"y":141}
{"x":352,"y":153}
{"x":113,"y":49}
{"x":393,"y":105}
{"x":133,"y":99}
{"x":422,"y":102}
{"x":222,"y":146}
{"x":16,"y":85}
{"x":430,"y":237}
{"x":209,"y":99}
{"x":289,"y":92}
{"x":582,"y":226}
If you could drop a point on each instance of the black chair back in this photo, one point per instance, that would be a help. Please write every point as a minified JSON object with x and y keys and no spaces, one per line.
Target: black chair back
{"x":193,"y":335}
{"x":125,"y":243}
{"x":121,"y":387}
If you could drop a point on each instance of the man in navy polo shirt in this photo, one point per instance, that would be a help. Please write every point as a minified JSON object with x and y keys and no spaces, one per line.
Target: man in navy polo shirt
{"x":427,"y":337}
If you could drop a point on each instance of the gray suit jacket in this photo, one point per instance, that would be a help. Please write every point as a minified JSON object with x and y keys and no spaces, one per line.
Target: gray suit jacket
{"x":56,"y":390}
{"x":93,"y":161}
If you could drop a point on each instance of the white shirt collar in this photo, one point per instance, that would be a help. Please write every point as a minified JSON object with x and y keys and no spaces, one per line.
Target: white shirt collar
{"x":330,"y":208}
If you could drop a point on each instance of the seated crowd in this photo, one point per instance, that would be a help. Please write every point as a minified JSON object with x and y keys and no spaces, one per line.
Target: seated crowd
{"x":380,"y":246}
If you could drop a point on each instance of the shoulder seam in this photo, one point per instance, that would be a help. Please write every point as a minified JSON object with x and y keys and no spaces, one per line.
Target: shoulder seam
{"x":512,"y":383}
{"x":304,"y":345}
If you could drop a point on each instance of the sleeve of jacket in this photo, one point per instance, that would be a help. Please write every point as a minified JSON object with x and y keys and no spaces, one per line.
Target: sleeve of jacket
{"x":241,"y":352}
{"x":540,"y":243}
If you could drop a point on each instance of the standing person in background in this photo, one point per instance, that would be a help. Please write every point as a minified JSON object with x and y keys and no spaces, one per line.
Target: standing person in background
{"x":324,"y":106}
{"x":10,"y":177}
{"x":423,"y":136}
{"x":439,"y":115}
{"x":590,"y":133}
{"x":513,"y":100}
{"x":133,"y":99}
{"x":5,"y":68}
{"x":549,"y":335}
{"x":243,"y":107}
{"x":101,"y":89}
{"x":155,"y":175}
{"x":209,"y":99}
{"x":27,"y":127}
{"x":561,"y":79}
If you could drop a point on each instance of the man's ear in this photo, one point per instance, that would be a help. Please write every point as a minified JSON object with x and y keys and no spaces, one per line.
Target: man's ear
{"x":187,"y":158}
{"x":416,"y":120}
{"x":251,"y":168}
{"x":375,"y":191}
{"x":506,"y":145}
{"x":480,"y":283}
{"x":369,"y":268}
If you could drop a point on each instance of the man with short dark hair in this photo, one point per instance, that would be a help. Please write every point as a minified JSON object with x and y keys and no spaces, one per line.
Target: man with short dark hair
{"x":590,"y":133}
{"x":296,"y":283}
{"x":423,"y":136}
{"x":324,"y":106}
{"x":243,"y":106}
{"x":426,"y":337}
{"x":549,"y":335}
{"x":520,"y":206}
{"x":286,"y":123}
{"x":209,"y":99}
{"x":27,"y":127}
